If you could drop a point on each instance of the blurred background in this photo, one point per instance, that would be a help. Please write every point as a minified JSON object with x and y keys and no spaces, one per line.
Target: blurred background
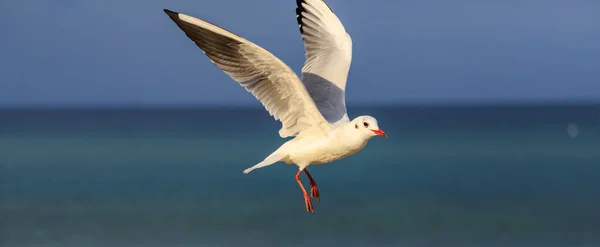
{"x":116,"y":130}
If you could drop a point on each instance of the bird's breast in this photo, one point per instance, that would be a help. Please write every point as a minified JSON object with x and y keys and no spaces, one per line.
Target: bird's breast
{"x":325,"y":152}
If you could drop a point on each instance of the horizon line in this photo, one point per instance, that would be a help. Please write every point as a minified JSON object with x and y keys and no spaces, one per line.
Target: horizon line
{"x":440,"y":104}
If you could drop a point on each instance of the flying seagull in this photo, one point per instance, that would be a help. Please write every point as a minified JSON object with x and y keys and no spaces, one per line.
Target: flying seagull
{"x":312,"y":110}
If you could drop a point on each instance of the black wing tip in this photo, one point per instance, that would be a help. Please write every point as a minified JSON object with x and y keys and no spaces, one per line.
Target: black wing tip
{"x":300,"y":2}
{"x":299,"y":10}
{"x":299,"y":7}
{"x":171,"y":13}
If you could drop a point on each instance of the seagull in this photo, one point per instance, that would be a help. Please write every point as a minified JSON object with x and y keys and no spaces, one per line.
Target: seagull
{"x":312,"y":109}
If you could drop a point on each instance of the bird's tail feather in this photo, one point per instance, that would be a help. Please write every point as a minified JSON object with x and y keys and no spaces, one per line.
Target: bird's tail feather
{"x":271,"y":159}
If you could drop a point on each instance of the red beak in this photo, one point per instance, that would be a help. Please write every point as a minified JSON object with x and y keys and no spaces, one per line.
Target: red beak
{"x":380,"y":132}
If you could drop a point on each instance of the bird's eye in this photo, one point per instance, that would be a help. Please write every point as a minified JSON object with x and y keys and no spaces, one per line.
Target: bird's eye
{"x":366,"y":124}
{"x":356,"y":126}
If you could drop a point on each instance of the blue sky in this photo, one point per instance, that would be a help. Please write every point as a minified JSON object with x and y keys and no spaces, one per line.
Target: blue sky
{"x":69,"y":52}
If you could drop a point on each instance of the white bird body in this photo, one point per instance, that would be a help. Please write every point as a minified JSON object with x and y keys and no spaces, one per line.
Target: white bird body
{"x":311,"y":109}
{"x":320,"y":148}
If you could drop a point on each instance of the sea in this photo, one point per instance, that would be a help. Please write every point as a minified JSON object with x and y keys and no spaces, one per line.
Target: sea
{"x":472,"y":175}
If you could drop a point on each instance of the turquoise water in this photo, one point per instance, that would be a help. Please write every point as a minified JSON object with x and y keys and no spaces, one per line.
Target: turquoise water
{"x":446,"y":176}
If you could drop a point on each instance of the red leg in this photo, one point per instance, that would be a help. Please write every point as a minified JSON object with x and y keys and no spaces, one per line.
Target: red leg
{"x":309,"y":206}
{"x":314,"y":191}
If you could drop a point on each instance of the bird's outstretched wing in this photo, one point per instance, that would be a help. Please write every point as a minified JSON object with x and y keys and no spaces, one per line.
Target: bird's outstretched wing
{"x":271,"y":81}
{"x":328,"y":57}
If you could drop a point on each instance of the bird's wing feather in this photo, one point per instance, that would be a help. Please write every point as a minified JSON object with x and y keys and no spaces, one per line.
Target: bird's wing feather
{"x":271,"y":81}
{"x":328,"y":57}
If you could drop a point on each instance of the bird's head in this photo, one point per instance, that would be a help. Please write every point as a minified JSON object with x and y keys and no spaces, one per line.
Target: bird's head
{"x":367,"y":126}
